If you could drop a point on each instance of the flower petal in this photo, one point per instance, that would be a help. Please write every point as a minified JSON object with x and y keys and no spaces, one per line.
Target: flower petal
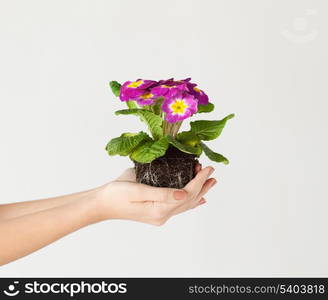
{"x":147,"y":98}
{"x":179,"y":107}
{"x":199,"y":95}
{"x":131,"y":90}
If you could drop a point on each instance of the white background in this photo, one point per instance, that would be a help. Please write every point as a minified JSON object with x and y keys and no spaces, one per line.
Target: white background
{"x":264,"y":60}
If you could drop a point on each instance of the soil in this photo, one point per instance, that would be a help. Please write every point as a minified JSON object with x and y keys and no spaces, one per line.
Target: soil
{"x":175,"y":169}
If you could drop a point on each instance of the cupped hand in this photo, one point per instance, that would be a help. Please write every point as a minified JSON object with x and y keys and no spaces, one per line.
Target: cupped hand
{"x":124,"y":198}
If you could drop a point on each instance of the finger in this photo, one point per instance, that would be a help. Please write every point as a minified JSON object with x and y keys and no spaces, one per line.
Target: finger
{"x":128,"y":175}
{"x":193,"y":188}
{"x":206,"y":187}
{"x":201,"y":202}
{"x":194,"y":202}
{"x":198,"y":167}
{"x":195,"y":185}
{"x":182,"y":208}
{"x":157,"y":194}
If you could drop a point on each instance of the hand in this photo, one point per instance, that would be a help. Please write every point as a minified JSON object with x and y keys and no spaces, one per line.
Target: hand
{"x":124,"y":198}
{"x":28,"y":226}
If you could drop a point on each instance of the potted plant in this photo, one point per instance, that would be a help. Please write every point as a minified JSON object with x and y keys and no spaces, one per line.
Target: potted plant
{"x":167,"y":157}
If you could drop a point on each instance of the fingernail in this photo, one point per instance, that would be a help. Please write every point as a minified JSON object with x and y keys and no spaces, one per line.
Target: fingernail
{"x":202,"y":201}
{"x":210,"y":171}
{"x":179,"y":195}
{"x":213,"y":183}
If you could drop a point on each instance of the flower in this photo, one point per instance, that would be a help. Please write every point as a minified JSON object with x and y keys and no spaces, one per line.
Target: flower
{"x":199,"y":95}
{"x":179,"y":107}
{"x":145,"y":92}
{"x":147,"y":98}
{"x":196,"y":92}
{"x":169,"y":88}
{"x":132,"y":90}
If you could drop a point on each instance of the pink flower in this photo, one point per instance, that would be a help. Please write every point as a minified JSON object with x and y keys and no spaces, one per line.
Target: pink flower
{"x":145,"y":92}
{"x":147,"y":98}
{"x":179,"y":107}
{"x":169,"y":88}
{"x":132,"y":90}
{"x":199,"y":95}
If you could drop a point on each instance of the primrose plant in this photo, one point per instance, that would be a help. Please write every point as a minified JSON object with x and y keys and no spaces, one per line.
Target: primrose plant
{"x":163,"y":105}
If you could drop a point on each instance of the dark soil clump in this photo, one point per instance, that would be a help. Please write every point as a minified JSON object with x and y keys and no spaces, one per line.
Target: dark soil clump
{"x":175,"y":169}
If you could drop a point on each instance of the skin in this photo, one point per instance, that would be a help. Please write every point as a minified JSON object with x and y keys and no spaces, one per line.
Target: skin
{"x":28,"y":226}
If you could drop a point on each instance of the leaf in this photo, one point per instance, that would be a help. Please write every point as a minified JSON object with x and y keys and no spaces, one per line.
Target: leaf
{"x":150,"y":150}
{"x":197,"y":150}
{"x":209,"y":130}
{"x":205,"y":108}
{"x":158,"y":105}
{"x":154,"y":122}
{"x":131,"y":104}
{"x":126,"y":143}
{"x":188,"y":138}
{"x":213,"y":155}
{"x":116,"y":87}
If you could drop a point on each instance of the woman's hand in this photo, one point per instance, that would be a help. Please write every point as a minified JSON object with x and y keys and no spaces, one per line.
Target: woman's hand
{"x":28,"y":226}
{"x":126,"y":199}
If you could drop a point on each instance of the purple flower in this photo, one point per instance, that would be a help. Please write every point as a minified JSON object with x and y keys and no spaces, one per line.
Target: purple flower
{"x":147,"y":98}
{"x":179,"y":107}
{"x":169,"y":88}
{"x":145,"y":92}
{"x":199,"y":95}
{"x":132,"y":90}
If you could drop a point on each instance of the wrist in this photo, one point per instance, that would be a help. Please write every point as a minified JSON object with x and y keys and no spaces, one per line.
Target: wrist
{"x":99,"y":203}
{"x":88,"y":202}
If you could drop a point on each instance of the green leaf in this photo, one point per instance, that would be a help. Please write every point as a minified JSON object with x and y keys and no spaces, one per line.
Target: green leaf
{"x":154,"y":122}
{"x":205,"y":108}
{"x":157,"y":106}
{"x":188,"y":138}
{"x":213,"y":155}
{"x":197,"y":150}
{"x":131,"y":104}
{"x":126,"y":143}
{"x":209,"y":130}
{"x":148,"y":151}
{"x":116,"y":87}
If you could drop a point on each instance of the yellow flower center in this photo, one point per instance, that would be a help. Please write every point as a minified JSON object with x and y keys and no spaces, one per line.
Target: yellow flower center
{"x":197,"y":90}
{"x":147,"y":96}
{"x":179,"y":106}
{"x":135,"y":84}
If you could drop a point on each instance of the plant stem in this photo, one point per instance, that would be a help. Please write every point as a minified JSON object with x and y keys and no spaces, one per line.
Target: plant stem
{"x":175,"y":128}
{"x":165,"y":127}
{"x":171,"y":128}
